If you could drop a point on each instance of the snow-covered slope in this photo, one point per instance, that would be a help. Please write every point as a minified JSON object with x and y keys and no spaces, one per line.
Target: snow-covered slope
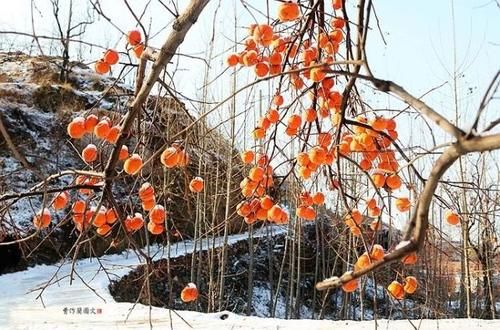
{"x":87,"y":304}
{"x":35,"y":109}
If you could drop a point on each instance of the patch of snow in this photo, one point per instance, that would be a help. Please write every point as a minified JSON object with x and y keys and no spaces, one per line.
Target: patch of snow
{"x":261,"y":301}
{"x":16,"y":69}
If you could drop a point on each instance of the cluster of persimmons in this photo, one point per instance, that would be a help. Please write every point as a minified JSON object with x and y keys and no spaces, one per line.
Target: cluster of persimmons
{"x":83,"y":214}
{"x":271,"y":51}
{"x":111,"y":56}
{"x":102,"y":131}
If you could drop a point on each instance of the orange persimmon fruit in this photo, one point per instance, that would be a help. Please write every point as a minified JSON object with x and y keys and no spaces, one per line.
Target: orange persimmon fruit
{"x":273,"y":116}
{"x":104,"y":230}
{"x":196,"y":185}
{"x":350,"y":286}
{"x":256,"y":173}
{"x":371,"y":203}
{"x":42,"y":219}
{"x":189,"y":293}
{"x":158,"y":214}
{"x":134,"y":37}
{"x":317,"y":155}
{"x":393,"y":181}
{"x":261,"y":69}
{"x":247,"y":156}
{"x":146,"y":192}
{"x":133,"y":164}
{"x":318,"y":198}
{"x":101,"y":67}
{"x":377,"y":252}
{"x":101,"y":130}
{"x":306,"y":213}
{"x":278,"y":100}
{"x":337,"y":23}
{"x":89,"y":153}
{"x":243,"y":209}
{"x":60,"y":200}
{"x":111,"y":57}
{"x":111,"y":216}
{"x":155,"y":228}
{"x":134,"y":223}
{"x":317,"y":74}
{"x":184,"y":159}
{"x":378,"y":180}
{"x":170,"y":157}
{"x":365,"y":164}
{"x":90,"y":122}
{"x":411,"y":284}
{"x":294,"y":121}
{"x":274,"y":213}
{"x":123,"y":153}
{"x":309,"y":115}
{"x":148,"y":204}
{"x":288,"y":11}
{"x":356,"y":216}
{"x":266,"y":202}
{"x":362,"y":262}
{"x":452,"y":217}
{"x":403,"y":204}
{"x":232,"y":60}
{"x":396,"y":290}
{"x":76,"y":128}
{"x":410,"y":259}
{"x":113,"y":135}
{"x":98,"y":216}
{"x":263,"y":34}
{"x":78,"y":207}
{"x":374,"y":212}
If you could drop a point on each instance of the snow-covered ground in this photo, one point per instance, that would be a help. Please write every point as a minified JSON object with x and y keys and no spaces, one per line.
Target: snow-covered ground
{"x":75,"y":306}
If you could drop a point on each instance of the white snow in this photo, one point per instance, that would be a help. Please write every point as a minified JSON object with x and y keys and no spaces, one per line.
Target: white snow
{"x":20,"y":307}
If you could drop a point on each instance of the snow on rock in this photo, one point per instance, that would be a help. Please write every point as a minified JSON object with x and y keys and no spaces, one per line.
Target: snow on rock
{"x":261,"y":301}
{"x":35,"y":108}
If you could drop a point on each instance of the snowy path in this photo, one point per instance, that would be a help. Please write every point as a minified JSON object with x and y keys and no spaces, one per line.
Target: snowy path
{"x":19,"y":308}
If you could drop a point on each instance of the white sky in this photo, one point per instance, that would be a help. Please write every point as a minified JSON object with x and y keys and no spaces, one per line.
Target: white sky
{"x":418,"y":33}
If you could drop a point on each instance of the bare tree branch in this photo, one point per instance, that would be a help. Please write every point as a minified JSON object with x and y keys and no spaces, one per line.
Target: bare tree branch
{"x":179,"y":29}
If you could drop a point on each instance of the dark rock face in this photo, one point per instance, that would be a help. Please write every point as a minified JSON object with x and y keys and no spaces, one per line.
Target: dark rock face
{"x":10,"y":255}
{"x":274,"y":286}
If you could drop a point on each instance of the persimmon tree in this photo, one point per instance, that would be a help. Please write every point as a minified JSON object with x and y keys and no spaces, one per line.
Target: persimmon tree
{"x":301,"y":49}
{"x":96,"y":209}
{"x":314,"y":55}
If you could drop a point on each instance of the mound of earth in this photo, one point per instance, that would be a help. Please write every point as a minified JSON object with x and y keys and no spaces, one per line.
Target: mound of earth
{"x":35,"y":108}
{"x":259,"y":283}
